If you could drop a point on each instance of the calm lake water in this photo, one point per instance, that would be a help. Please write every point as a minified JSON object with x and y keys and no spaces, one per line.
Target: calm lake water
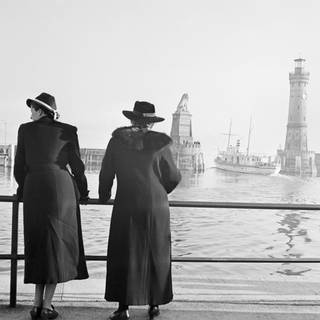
{"x":213,"y":232}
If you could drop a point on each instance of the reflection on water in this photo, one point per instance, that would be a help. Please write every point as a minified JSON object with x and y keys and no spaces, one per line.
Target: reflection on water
{"x":291,"y":228}
{"x":190,"y":179}
{"x":7,"y":182}
{"x":214,"y":232}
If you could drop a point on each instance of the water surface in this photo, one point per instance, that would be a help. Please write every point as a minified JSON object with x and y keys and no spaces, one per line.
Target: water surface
{"x":213,"y":232}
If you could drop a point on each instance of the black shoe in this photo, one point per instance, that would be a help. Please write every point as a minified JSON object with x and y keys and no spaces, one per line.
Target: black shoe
{"x":47,"y":314}
{"x":120,"y":315}
{"x":153,"y":311}
{"x":35,"y":312}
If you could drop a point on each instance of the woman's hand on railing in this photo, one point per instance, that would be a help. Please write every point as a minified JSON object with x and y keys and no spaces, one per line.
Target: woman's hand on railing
{"x":17,"y":197}
{"x":104,"y":198}
{"x":84,"y":200}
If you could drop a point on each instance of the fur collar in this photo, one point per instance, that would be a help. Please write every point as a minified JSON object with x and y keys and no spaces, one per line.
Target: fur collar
{"x":135,"y":138}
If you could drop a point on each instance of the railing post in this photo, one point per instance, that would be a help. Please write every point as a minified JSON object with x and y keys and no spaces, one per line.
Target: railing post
{"x":14,"y":253}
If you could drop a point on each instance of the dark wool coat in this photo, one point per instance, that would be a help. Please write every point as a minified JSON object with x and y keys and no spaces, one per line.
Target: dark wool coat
{"x":139,"y":247}
{"x":52,"y":228}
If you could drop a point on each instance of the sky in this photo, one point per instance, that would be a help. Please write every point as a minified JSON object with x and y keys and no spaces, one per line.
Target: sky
{"x":97,"y":58}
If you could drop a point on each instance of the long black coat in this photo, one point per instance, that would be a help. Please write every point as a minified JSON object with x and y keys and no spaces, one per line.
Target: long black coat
{"x":52,"y":228}
{"x":139,"y":248}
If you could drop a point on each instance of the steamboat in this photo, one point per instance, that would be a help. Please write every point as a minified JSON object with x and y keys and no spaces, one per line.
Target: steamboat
{"x":232,"y":159}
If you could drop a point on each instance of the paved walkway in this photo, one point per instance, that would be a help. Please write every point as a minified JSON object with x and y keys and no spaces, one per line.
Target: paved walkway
{"x":178,"y":311}
{"x":194,"y":288}
{"x":196,"y":297}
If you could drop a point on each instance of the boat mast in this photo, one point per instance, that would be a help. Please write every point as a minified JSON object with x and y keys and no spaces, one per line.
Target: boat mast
{"x":229,"y":134}
{"x":249,"y":136}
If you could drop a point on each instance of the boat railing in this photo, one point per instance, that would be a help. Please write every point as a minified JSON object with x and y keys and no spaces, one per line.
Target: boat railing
{"x":14,"y":256}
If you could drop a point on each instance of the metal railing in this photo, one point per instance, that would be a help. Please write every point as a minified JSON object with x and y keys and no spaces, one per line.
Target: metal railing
{"x":14,"y":256}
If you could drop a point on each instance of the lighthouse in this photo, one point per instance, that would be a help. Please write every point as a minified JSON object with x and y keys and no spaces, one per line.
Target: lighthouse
{"x":296,"y":158}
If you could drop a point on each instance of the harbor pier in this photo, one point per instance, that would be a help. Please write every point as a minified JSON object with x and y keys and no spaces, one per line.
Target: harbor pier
{"x":7,"y":152}
{"x":92,"y":158}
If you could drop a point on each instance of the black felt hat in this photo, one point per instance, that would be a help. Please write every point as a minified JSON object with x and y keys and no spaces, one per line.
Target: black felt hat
{"x":44,"y":101}
{"x":143,"y":111}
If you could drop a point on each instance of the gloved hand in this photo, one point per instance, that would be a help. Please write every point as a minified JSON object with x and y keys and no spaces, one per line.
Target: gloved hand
{"x":19,"y":194}
{"x":84,"y":198}
{"x":104,"y":198}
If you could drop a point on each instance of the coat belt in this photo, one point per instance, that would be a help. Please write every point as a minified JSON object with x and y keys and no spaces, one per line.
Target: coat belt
{"x":46,"y":166}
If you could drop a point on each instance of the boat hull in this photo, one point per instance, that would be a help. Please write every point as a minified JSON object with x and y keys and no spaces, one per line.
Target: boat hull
{"x":245,"y":168}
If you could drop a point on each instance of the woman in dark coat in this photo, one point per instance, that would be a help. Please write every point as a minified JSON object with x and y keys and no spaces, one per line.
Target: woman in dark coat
{"x":54,"y":250}
{"x":139,"y":247}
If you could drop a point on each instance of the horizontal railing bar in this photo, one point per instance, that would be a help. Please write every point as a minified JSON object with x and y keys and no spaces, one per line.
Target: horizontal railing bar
{"x":222,"y":259}
{"x":209,"y":204}
{"x":7,"y":198}
{"x":246,"y":260}
{"x":243,"y":205}
{"x":197,"y":259}
{"x":11,"y":256}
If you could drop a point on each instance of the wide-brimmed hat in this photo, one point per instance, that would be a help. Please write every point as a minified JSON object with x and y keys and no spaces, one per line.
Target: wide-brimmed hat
{"x":143,"y":111}
{"x":45,"y":101}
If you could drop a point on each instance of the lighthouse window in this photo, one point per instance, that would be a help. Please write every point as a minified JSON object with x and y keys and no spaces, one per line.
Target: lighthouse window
{"x":298,"y":107}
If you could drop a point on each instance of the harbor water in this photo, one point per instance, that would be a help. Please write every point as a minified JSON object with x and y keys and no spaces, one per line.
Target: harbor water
{"x":209,"y":232}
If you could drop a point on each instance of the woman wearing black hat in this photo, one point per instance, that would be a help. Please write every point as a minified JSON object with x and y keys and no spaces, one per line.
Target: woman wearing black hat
{"x":139,"y":247}
{"x":52,"y":228}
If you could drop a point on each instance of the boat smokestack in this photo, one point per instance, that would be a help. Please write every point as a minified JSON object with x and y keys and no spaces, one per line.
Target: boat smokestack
{"x":238,"y":145}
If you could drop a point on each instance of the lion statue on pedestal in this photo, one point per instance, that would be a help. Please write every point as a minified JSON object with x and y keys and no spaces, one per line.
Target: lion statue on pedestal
{"x":183,"y":104}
